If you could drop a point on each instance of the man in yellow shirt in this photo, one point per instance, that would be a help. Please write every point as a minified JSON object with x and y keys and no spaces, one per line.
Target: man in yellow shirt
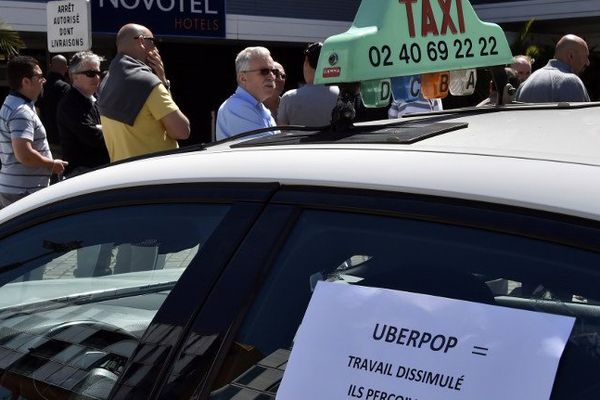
{"x":137,"y":111}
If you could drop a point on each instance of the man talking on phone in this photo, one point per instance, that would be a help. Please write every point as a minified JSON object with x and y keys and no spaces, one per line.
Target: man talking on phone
{"x":137,"y":111}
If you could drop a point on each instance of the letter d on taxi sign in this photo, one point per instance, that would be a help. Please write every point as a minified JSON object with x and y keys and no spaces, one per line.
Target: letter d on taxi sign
{"x":376,"y":93}
{"x":406,"y":88}
{"x":435,"y":86}
{"x":462,"y":82}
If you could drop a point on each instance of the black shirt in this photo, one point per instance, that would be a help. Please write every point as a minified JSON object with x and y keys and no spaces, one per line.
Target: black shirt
{"x":54,"y":90}
{"x":81,"y":140}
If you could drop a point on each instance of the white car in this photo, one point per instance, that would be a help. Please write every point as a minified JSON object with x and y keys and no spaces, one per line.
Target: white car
{"x":209,"y":256}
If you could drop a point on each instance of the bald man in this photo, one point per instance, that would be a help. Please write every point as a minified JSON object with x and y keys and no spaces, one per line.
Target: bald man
{"x":272,"y":102}
{"x":54,"y":90}
{"x":137,"y":111}
{"x":558,"y":80}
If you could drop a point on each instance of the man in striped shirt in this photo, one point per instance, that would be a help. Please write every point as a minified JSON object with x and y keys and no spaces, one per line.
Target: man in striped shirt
{"x":27,"y":163}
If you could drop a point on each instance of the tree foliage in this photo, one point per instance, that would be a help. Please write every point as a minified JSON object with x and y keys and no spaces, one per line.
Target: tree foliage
{"x":523,"y":45}
{"x":10,"y":41}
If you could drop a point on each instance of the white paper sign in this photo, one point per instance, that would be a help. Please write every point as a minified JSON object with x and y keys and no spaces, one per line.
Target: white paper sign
{"x":69,"y":25}
{"x":377,"y":344}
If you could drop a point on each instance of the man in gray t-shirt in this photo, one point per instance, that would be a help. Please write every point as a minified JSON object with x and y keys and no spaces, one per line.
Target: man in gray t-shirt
{"x":558,"y":80}
{"x":310,"y":105}
{"x":27,"y":163}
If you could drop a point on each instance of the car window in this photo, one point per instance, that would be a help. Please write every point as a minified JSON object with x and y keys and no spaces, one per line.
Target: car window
{"x":423,"y":257}
{"x":82,"y":289}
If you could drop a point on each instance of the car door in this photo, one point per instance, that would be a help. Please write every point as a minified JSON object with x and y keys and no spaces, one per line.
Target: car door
{"x":89,"y":283}
{"x":473,"y":251}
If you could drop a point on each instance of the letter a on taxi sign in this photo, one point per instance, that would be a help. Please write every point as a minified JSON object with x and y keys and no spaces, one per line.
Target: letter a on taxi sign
{"x":462,"y":82}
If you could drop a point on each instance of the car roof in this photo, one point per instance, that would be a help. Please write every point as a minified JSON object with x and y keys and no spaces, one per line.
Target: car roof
{"x":557,"y":133}
{"x":543,"y":158}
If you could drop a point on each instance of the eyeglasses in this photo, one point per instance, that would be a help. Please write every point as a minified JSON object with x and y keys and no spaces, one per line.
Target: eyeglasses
{"x":280,"y":75}
{"x":267,"y":71}
{"x":39,"y":76}
{"x":90,"y":73}
{"x":153,"y":39}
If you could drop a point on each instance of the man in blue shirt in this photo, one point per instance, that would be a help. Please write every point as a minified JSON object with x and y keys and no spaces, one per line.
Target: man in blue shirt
{"x":244,"y":110}
{"x":558,"y":80}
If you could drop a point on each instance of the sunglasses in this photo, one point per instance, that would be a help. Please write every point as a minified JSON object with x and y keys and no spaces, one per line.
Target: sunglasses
{"x":150,"y":38}
{"x":267,"y":71}
{"x":90,"y":73}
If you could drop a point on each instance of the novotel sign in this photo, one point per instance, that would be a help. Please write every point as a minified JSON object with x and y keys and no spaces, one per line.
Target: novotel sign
{"x":202,"y":18}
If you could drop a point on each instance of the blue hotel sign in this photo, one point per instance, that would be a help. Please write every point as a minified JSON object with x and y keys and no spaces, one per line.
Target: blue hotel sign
{"x":195,"y":18}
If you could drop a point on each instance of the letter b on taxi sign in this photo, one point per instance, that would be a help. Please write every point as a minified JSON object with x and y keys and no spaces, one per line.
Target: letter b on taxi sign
{"x":435,"y":86}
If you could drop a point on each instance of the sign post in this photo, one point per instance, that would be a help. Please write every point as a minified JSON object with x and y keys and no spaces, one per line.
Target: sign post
{"x":69,"y":25}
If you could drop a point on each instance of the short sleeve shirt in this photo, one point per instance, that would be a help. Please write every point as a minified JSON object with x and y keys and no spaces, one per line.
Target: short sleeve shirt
{"x":242,"y":113}
{"x":19,"y":120}
{"x":147,"y":135}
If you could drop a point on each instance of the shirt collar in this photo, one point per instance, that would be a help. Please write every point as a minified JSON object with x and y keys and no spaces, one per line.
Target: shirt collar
{"x":21,"y":96}
{"x":561,"y":66}
{"x":90,"y":98}
{"x":246,"y":96}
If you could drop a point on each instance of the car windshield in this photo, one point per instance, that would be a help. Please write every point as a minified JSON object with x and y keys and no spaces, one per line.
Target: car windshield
{"x":80,"y":291}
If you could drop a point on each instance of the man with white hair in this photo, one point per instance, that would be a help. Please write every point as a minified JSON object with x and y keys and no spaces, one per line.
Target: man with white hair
{"x":78,"y":117}
{"x":558,"y":80}
{"x":244,"y":110}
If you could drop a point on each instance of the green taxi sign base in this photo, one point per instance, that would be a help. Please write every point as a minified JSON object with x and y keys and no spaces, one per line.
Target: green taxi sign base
{"x":408,"y":37}
{"x":376,"y":94}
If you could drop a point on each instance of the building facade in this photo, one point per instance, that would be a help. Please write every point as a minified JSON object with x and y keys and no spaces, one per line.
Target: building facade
{"x":215,"y":30}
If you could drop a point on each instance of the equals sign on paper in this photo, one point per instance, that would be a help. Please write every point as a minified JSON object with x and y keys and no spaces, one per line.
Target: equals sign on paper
{"x":480,"y":351}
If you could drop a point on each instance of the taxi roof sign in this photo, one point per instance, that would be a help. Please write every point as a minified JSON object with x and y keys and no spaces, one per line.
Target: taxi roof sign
{"x":392,"y":38}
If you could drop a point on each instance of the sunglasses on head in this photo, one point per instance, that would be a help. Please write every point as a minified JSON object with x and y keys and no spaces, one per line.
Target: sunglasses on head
{"x":90,"y":73}
{"x":267,"y":71}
